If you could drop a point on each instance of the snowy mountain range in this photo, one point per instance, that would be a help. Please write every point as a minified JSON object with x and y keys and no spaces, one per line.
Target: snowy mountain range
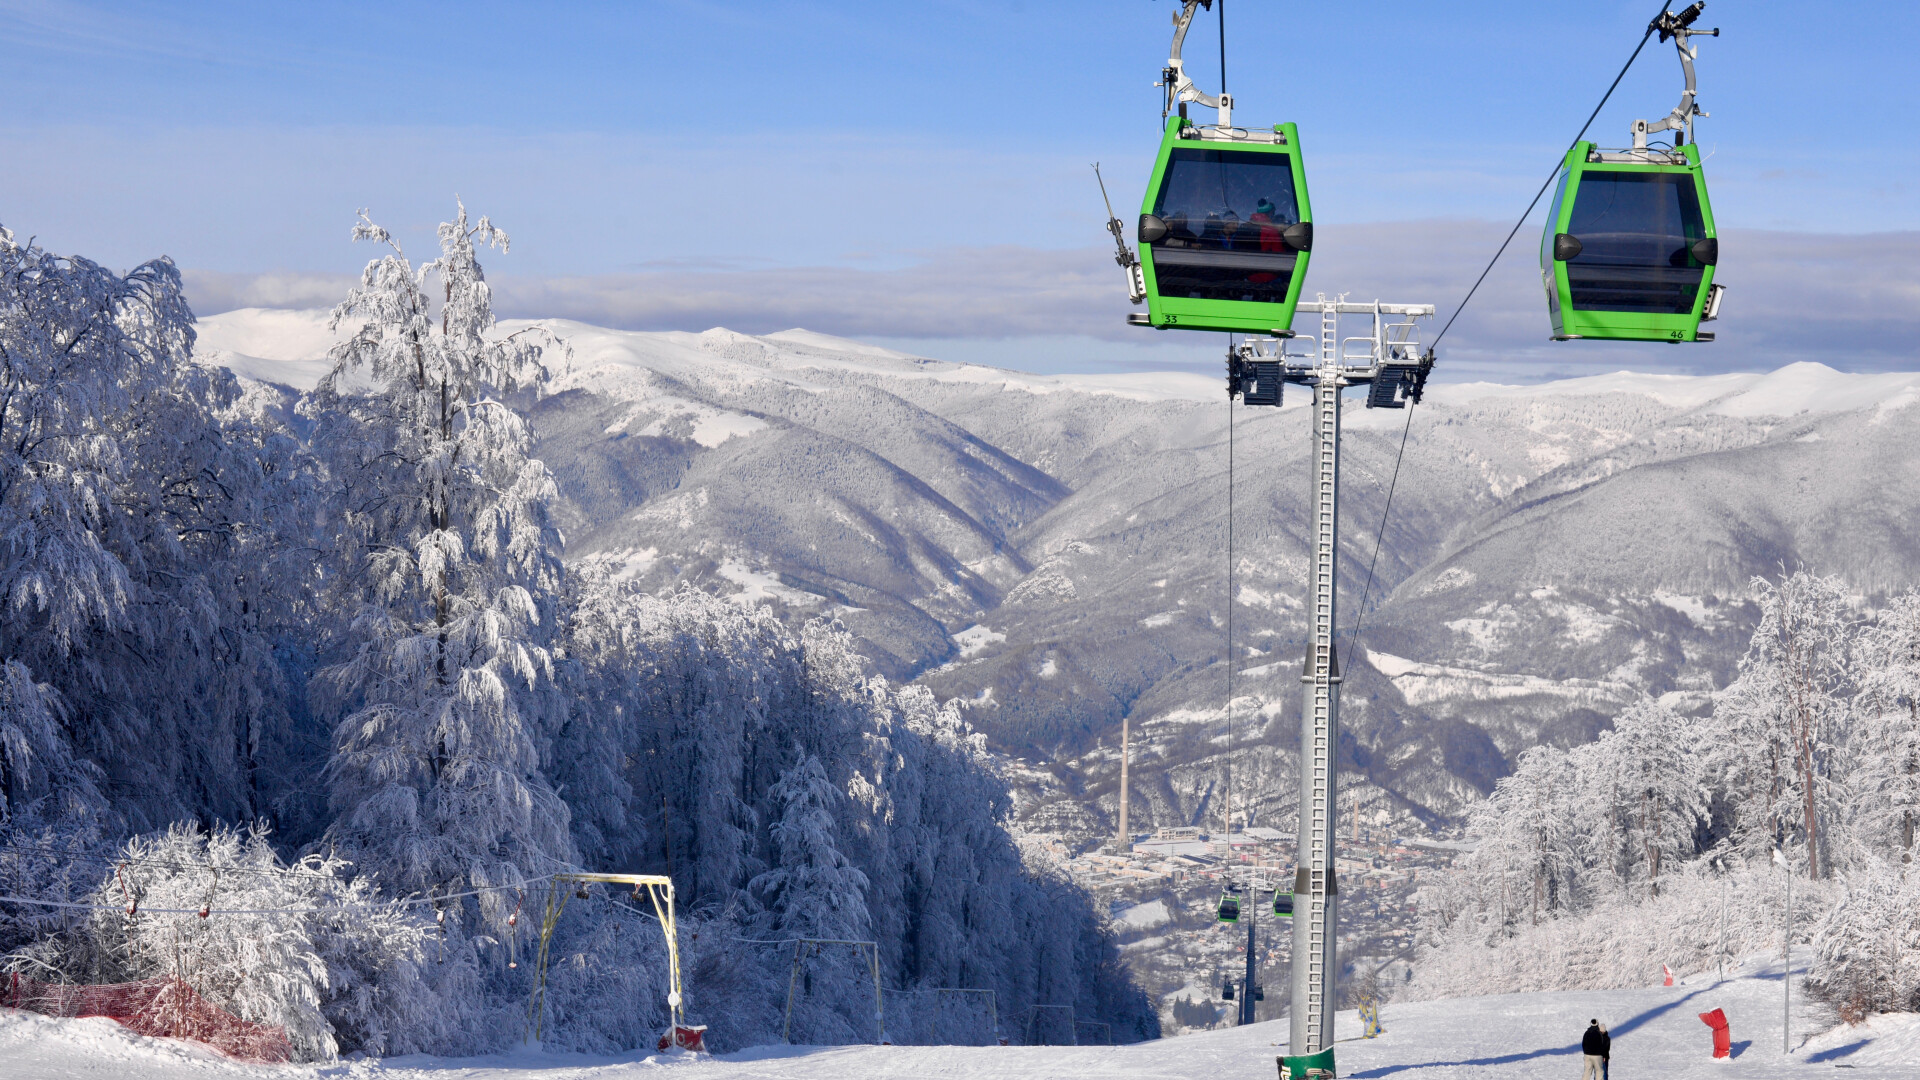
{"x":1053,"y":549}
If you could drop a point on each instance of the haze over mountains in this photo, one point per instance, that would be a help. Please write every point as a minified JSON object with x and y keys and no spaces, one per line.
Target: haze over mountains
{"x":1053,"y":549}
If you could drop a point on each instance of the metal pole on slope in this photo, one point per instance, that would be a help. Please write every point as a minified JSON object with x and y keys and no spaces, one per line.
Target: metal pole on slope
{"x":1786,"y":958}
{"x":1247,"y":984}
{"x":1723,"y":933}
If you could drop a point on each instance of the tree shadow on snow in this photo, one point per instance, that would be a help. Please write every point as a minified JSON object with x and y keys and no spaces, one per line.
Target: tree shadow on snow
{"x":1617,"y":1030}
{"x":1838,"y":1051}
{"x":1626,"y":1026}
{"x":1504,"y":1059}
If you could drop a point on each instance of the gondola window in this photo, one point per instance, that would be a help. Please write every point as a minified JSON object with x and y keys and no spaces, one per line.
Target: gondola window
{"x":1636,"y":231}
{"x":1226,"y":212}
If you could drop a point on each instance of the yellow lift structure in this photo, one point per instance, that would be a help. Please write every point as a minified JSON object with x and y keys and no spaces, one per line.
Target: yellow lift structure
{"x":561,"y":888}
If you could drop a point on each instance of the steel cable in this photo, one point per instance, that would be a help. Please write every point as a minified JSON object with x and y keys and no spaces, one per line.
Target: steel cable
{"x":1550,"y":176}
{"x":1360,"y":611}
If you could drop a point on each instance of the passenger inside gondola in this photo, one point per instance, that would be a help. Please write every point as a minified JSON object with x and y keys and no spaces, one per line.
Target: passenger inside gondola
{"x":1266,"y":226}
{"x":1226,"y":212}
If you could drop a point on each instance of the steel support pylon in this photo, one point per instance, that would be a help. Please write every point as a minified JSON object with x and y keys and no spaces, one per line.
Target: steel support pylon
{"x":1389,"y":362}
{"x":1316,"y":894}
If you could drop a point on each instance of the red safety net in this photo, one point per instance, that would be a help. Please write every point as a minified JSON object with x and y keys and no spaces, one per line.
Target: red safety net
{"x":164,"y":1008}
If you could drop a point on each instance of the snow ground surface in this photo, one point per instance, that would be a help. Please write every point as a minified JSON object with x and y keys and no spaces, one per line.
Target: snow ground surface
{"x":1656,"y":1032}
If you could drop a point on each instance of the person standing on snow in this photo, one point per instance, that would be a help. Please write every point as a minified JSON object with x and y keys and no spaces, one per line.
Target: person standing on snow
{"x":1594,"y":1045}
{"x":1606,"y":1051}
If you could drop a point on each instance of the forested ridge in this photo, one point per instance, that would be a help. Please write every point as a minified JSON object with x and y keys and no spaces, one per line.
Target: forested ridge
{"x":322,"y":672}
{"x":1672,"y":838}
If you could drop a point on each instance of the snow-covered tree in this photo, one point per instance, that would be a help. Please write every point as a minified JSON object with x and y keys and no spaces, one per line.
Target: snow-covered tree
{"x":139,"y":584}
{"x":1886,"y":739}
{"x":1779,"y":724}
{"x":1867,"y":947}
{"x":80,"y":343}
{"x":812,"y":891}
{"x":1528,"y":851}
{"x":448,"y":561}
{"x":40,"y":777}
{"x":1641,"y":795}
{"x":300,"y":947}
{"x":674,"y":733}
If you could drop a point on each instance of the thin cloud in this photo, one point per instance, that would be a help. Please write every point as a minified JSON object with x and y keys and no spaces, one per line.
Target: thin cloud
{"x":1851,"y":301}
{"x":211,"y":292}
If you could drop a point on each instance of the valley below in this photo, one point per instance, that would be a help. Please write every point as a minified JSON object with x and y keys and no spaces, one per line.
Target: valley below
{"x":1053,"y":552}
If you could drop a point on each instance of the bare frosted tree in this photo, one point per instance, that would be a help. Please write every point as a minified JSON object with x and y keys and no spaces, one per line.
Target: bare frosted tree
{"x":1887,"y":744}
{"x":1785,"y":714}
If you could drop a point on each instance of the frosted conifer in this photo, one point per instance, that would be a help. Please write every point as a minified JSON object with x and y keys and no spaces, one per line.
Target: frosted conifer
{"x":449,"y":563}
{"x":813,"y":891}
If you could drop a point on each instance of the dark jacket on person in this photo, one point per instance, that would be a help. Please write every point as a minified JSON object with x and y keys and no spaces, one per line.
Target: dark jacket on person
{"x":1594,"y":1042}
{"x":1606,"y":1044}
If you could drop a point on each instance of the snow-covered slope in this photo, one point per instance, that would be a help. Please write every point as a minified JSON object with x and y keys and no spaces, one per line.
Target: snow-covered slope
{"x":1521,"y":1036}
{"x":1052,"y":548}
{"x":270,"y":344}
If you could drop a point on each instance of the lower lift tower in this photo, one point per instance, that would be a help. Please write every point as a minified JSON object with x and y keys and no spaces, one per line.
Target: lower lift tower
{"x":1389,"y":362}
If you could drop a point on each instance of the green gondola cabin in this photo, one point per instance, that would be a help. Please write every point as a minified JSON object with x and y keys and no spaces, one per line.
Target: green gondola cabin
{"x":1229,"y":910}
{"x":1629,"y":249}
{"x":1226,"y":229}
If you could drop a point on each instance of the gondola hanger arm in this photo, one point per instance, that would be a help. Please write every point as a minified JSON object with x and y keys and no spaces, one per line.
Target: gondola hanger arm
{"x":1679,"y":28}
{"x":1179,"y":86}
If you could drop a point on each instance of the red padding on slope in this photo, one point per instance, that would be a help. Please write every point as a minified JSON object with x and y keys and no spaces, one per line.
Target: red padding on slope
{"x":1722,"y":1035}
{"x":164,"y":1008}
{"x":690,"y":1037}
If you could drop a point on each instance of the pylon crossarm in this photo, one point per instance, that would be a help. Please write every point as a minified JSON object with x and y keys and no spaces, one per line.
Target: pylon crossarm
{"x":1388,"y":359}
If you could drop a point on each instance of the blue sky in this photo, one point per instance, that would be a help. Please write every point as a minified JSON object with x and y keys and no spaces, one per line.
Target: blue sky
{"x":917,"y":173}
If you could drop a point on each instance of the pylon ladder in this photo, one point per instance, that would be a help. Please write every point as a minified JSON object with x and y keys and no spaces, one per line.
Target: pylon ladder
{"x":1316,"y":915}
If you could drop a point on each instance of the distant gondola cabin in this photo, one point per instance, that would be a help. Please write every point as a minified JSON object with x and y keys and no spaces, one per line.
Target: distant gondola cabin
{"x":1229,"y":909}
